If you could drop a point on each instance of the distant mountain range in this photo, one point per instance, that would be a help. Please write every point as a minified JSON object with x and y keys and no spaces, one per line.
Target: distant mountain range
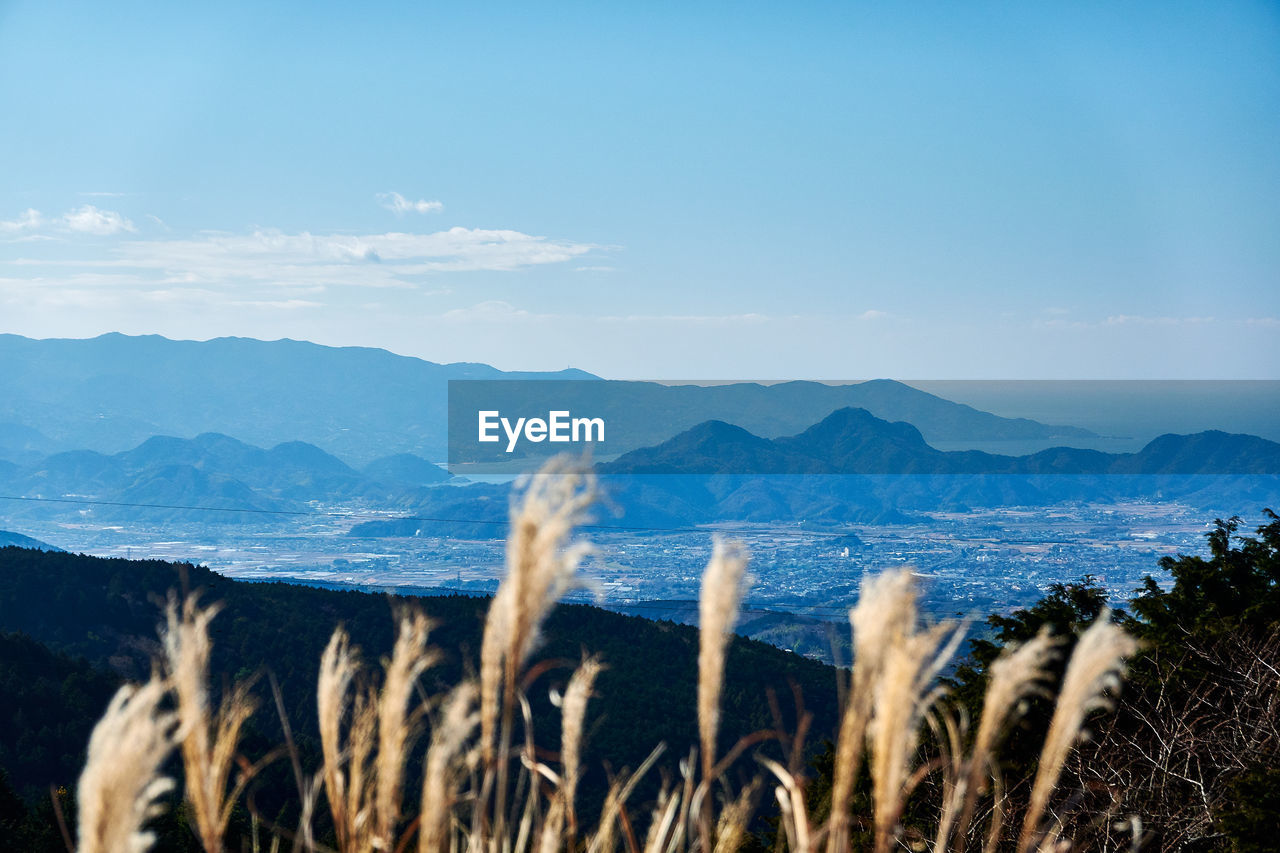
{"x":854,"y":441}
{"x":113,"y":392}
{"x":167,"y":474}
{"x":241,"y":424}
{"x":852,"y":467}
{"x":641,"y":414}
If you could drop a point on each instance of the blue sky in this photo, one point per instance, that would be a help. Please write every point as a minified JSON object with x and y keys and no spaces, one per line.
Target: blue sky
{"x":644,"y":190}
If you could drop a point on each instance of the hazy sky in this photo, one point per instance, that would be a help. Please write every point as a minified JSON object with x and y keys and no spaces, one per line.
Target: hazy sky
{"x":739,"y":190}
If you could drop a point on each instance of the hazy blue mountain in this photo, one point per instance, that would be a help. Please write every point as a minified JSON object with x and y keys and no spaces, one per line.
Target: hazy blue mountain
{"x":74,"y":472}
{"x":405,"y":469}
{"x":112,"y":392}
{"x":169,"y":491}
{"x":854,"y":441}
{"x":1209,"y":452}
{"x":21,"y":443}
{"x":17,"y":540}
{"x":642,"y":414}
{"x":855,"y":468}
{"x":169,"y":475}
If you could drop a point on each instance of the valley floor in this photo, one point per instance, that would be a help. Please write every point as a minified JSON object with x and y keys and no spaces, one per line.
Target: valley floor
{"x":974,"y":563}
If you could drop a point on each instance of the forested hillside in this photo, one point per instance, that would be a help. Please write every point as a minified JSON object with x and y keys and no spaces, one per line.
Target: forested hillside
{"x":100,"y":618}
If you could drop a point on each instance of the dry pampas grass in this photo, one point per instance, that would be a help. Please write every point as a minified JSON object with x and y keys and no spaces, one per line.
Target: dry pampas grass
{"x":1019,"y":673}
{"x":208,"y":738}
{"x":573,"y":712}
{"x":540,"y":566}
{"x":717,"y":611}
{"x":333,"y":696}
{"x":445,"y":759}
{"x":363,"y":774}
{"x":1094,"y":670}
{"x":880,"y":620}
{"x":397,"y":723}
{"x":902,"y":696}
{"x":479,"y":795}
{"x":122,"y":782}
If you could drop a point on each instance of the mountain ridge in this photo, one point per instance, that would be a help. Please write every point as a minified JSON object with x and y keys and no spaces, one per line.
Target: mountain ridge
{"x":879,"y":473}
{"x":111,"y":392}
{"x":854,"y":441}
{"x":170,"y":476}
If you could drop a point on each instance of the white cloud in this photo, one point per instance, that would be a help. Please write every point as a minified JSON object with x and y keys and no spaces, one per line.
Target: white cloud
{"x":391,"y":259}
{"x":873,"y":314}
{"x":90,"y":220}
{"x":490,"y":310}
{"x":86,"y":219}
{"x":695,"y":319}
{"x":497,"y":311}
{"x":28,"y":220}
{"x":284,"y":263}
{"x":1130,"y":319}
{"x":400,"y":205}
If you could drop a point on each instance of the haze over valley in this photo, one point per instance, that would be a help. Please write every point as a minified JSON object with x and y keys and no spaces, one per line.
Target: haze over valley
{"x":989,"y":532}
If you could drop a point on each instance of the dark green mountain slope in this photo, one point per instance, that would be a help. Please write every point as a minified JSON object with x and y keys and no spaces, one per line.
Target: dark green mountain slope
{"x":50,"y":703}
{"x":107,"y":611}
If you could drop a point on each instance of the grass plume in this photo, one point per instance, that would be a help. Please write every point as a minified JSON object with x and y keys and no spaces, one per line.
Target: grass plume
{"x":209,"y":739}
{"x":573,"y":711}
{"x":1094,"y":670}
{"x":444,"y":766}
{"x":338,"y":668}
{"x":122,"y":782}
{"x":886,"y":607}
{"x":397,"y":723}
{"x":722,"y":590}
{"x":540,"y":567}
{"x":1019,"y":673}
{"x":370,"y":718}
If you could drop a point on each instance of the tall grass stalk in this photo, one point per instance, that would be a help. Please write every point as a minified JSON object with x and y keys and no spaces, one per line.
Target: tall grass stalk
{"x":398,"y":724}
{"x":121,"y":785}
{"x":880,"y":620}
{"x":1094,"y":670}
{"x":722,"y":589}
{"x":1019,"y":673}
{"x":540,"y":567}
{"x":209,"y":739}
{"x":445,"y":765}
{"x":478,"y":795}
{"x":573,"y":710}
